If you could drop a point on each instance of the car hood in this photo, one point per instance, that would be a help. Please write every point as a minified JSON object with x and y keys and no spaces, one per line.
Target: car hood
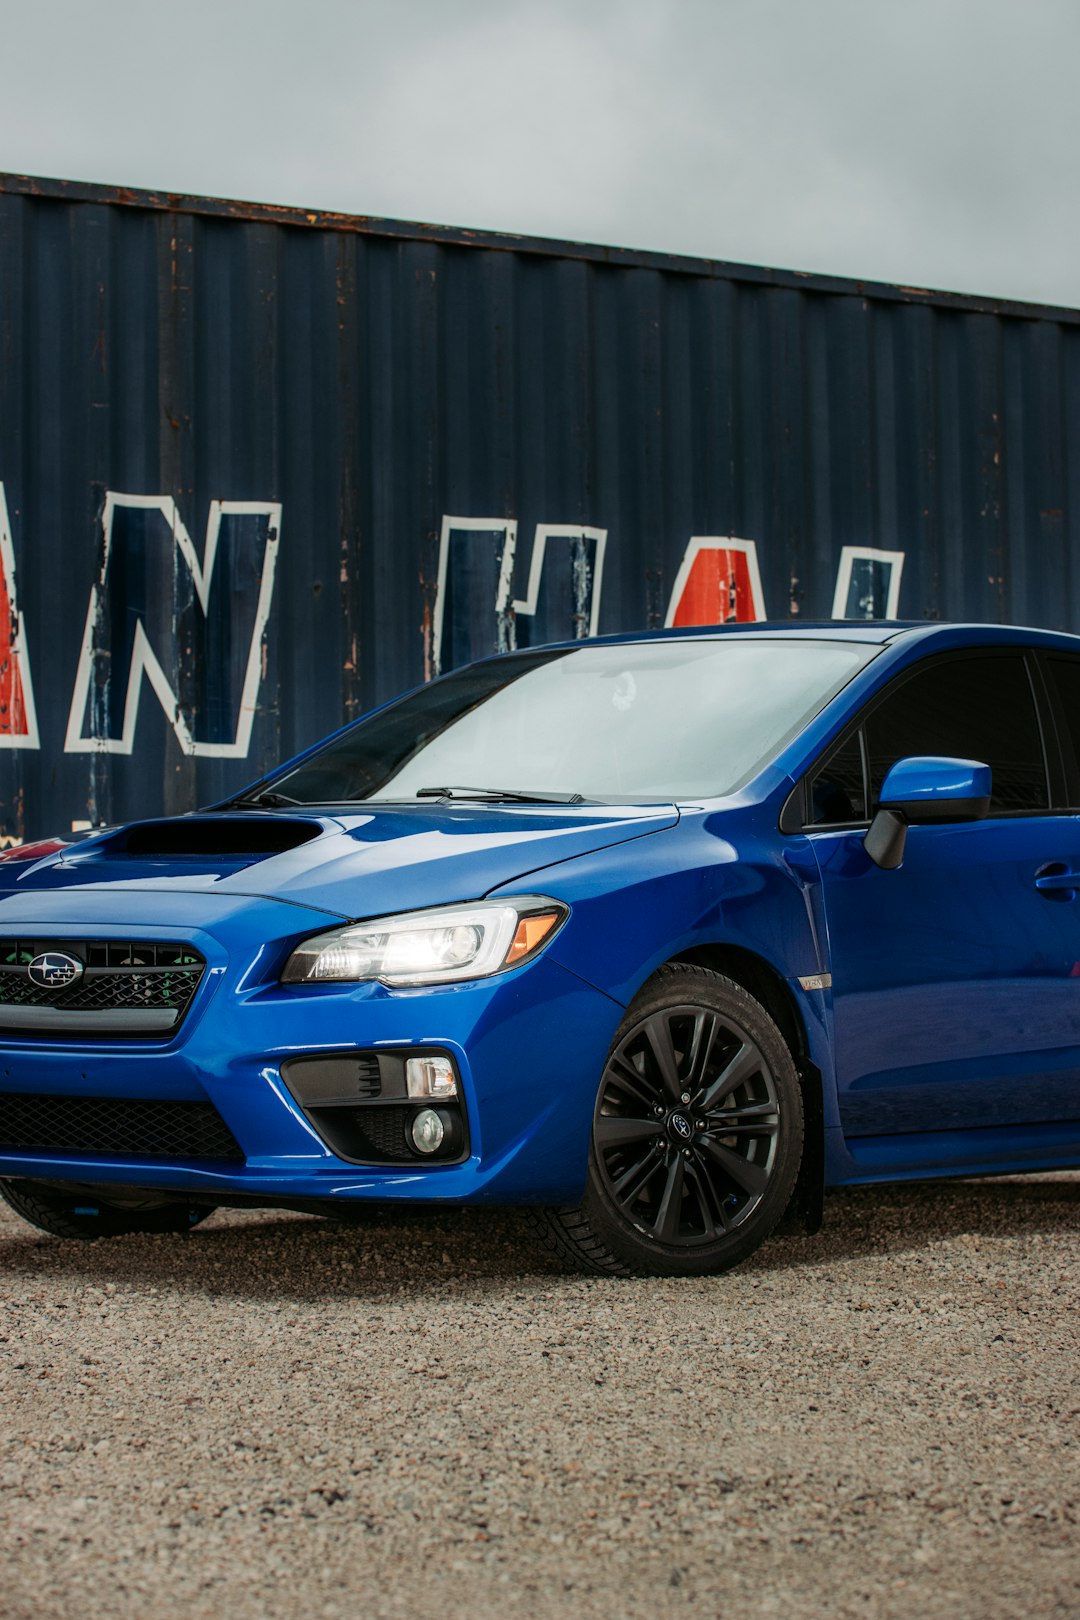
{"x":361,"y":864}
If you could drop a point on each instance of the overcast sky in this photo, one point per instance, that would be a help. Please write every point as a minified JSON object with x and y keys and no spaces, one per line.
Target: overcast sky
{"x":931,"y":142}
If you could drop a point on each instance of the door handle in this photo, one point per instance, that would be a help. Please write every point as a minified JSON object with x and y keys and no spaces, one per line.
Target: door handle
{"x":1057,"y":882}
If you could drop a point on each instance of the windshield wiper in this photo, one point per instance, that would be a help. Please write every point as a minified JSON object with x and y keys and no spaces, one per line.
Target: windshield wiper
{"x":494,"y":795}
{"x":268,"y":798}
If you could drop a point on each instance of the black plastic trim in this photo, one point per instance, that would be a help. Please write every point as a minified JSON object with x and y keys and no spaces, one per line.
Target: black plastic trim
{"x":332,"y":1090}
{"x":918,"y":813}
{"x":111,"y":1021}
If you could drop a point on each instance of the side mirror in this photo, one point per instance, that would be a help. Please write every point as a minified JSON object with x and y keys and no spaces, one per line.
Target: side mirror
{"x":925,"y":788}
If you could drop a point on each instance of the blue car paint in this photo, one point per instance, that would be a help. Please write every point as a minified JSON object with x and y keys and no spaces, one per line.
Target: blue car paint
{"x":645,"y":884}
{"x":928,"y":781}
{"x":967,"y":1011}
{"x":371,"y":862}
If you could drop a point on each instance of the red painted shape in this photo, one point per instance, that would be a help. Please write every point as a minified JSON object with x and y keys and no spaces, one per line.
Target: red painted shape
{"x":12,"y":702}
{"x":36,"y":851}
{"x":717,"y":590}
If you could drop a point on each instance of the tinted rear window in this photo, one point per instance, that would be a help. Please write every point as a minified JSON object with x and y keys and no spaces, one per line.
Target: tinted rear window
{"x":1064,"y":677}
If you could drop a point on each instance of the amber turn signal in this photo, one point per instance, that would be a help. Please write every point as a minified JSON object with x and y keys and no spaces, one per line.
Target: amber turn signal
{"x":531,"y":934}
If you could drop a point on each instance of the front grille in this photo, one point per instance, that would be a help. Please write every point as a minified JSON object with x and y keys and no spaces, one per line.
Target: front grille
{"x":151,"y":981}
{"x":115,"y":1125}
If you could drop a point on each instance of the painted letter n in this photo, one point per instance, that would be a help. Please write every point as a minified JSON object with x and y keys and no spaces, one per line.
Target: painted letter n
{"x":150,"y":615}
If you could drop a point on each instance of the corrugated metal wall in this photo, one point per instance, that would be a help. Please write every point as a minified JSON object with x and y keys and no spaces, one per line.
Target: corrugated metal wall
{"x":259,"y":470}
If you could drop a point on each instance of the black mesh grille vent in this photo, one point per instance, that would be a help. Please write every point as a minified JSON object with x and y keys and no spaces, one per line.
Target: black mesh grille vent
{"x":384,"y":1130}
{"x":375,"y":1134}
{"x":116,"y":1125}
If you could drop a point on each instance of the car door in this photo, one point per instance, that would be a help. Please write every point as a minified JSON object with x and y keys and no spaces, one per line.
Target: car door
{"x":956,"y":977}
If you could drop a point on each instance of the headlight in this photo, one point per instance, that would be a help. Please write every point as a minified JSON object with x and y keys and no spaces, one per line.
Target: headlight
{"x":430,"y":947}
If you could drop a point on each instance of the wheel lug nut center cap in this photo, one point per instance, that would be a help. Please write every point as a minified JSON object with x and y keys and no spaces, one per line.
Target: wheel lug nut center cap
{"x":680,"y":1128}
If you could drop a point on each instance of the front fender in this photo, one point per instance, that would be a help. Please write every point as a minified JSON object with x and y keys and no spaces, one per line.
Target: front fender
{"x":701,"y":881}
{"x":715,"y":880}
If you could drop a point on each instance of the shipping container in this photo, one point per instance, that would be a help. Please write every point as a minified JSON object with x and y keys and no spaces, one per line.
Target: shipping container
{"x":262,"y":468}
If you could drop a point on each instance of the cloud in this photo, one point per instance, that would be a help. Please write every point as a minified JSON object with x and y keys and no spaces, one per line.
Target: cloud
{"x":932,"y":143}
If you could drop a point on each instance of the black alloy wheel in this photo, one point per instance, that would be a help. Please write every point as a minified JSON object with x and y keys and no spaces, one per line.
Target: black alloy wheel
{"x":82,"y":1212}
{"x":697,"y":1134}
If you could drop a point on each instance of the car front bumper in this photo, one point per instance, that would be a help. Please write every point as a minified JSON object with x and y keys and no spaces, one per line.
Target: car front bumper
{"x":529,"y":1046}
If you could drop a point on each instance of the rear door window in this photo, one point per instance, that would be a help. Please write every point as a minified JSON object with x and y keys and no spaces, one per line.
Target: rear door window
{"x":1063,"y":676}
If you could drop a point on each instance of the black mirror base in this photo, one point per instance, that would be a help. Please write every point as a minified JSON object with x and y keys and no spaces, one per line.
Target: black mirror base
{"x":886,"y":839}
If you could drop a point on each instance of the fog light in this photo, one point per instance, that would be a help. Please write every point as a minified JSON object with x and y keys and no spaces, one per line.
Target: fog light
{"x":430,"y":1077}
{"x":427,"y":1131}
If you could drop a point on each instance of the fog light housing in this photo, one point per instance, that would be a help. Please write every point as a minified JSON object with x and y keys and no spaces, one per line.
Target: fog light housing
{"x":431,"y":1076}
{"x":427,"y":1130}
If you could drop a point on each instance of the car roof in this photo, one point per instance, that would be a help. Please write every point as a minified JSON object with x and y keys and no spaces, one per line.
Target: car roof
{"x":875,"y":632}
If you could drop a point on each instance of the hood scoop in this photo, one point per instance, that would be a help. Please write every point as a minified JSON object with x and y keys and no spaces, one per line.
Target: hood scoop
{"x":228,"y":836}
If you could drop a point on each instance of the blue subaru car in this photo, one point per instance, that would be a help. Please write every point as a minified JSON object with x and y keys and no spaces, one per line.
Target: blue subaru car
{"x":658,"y":935}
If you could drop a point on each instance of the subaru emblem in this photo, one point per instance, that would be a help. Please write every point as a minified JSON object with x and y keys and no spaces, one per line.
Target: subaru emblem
{"x":54,"y":970}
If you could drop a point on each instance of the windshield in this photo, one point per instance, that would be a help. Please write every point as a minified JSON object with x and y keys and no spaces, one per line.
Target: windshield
{"x":641,"y":721}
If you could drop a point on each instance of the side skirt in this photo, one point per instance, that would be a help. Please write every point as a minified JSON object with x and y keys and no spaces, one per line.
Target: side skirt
{"x":926,"y":1155}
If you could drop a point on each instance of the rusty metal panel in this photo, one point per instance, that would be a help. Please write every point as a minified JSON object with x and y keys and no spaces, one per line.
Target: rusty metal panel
{"x":261,"y":468}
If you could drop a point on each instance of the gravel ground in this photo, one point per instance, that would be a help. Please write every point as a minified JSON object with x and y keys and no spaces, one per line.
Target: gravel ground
{"x":280,"y":1417}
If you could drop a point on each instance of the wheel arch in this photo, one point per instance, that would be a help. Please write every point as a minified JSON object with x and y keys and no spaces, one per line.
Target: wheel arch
{"x":766,"y":985}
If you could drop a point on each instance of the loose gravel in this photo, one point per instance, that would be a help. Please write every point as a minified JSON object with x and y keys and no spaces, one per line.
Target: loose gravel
{"x":279,"y":1417}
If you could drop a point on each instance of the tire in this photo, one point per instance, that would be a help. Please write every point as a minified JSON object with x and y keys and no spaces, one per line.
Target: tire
{"x":82,"y":1213}
{"x":697,"y":1136}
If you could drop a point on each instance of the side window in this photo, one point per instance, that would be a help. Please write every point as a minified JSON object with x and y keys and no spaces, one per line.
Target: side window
{"x":968,"y":708}
{"x":1064,"y":676}
{"x":837,"y":792}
